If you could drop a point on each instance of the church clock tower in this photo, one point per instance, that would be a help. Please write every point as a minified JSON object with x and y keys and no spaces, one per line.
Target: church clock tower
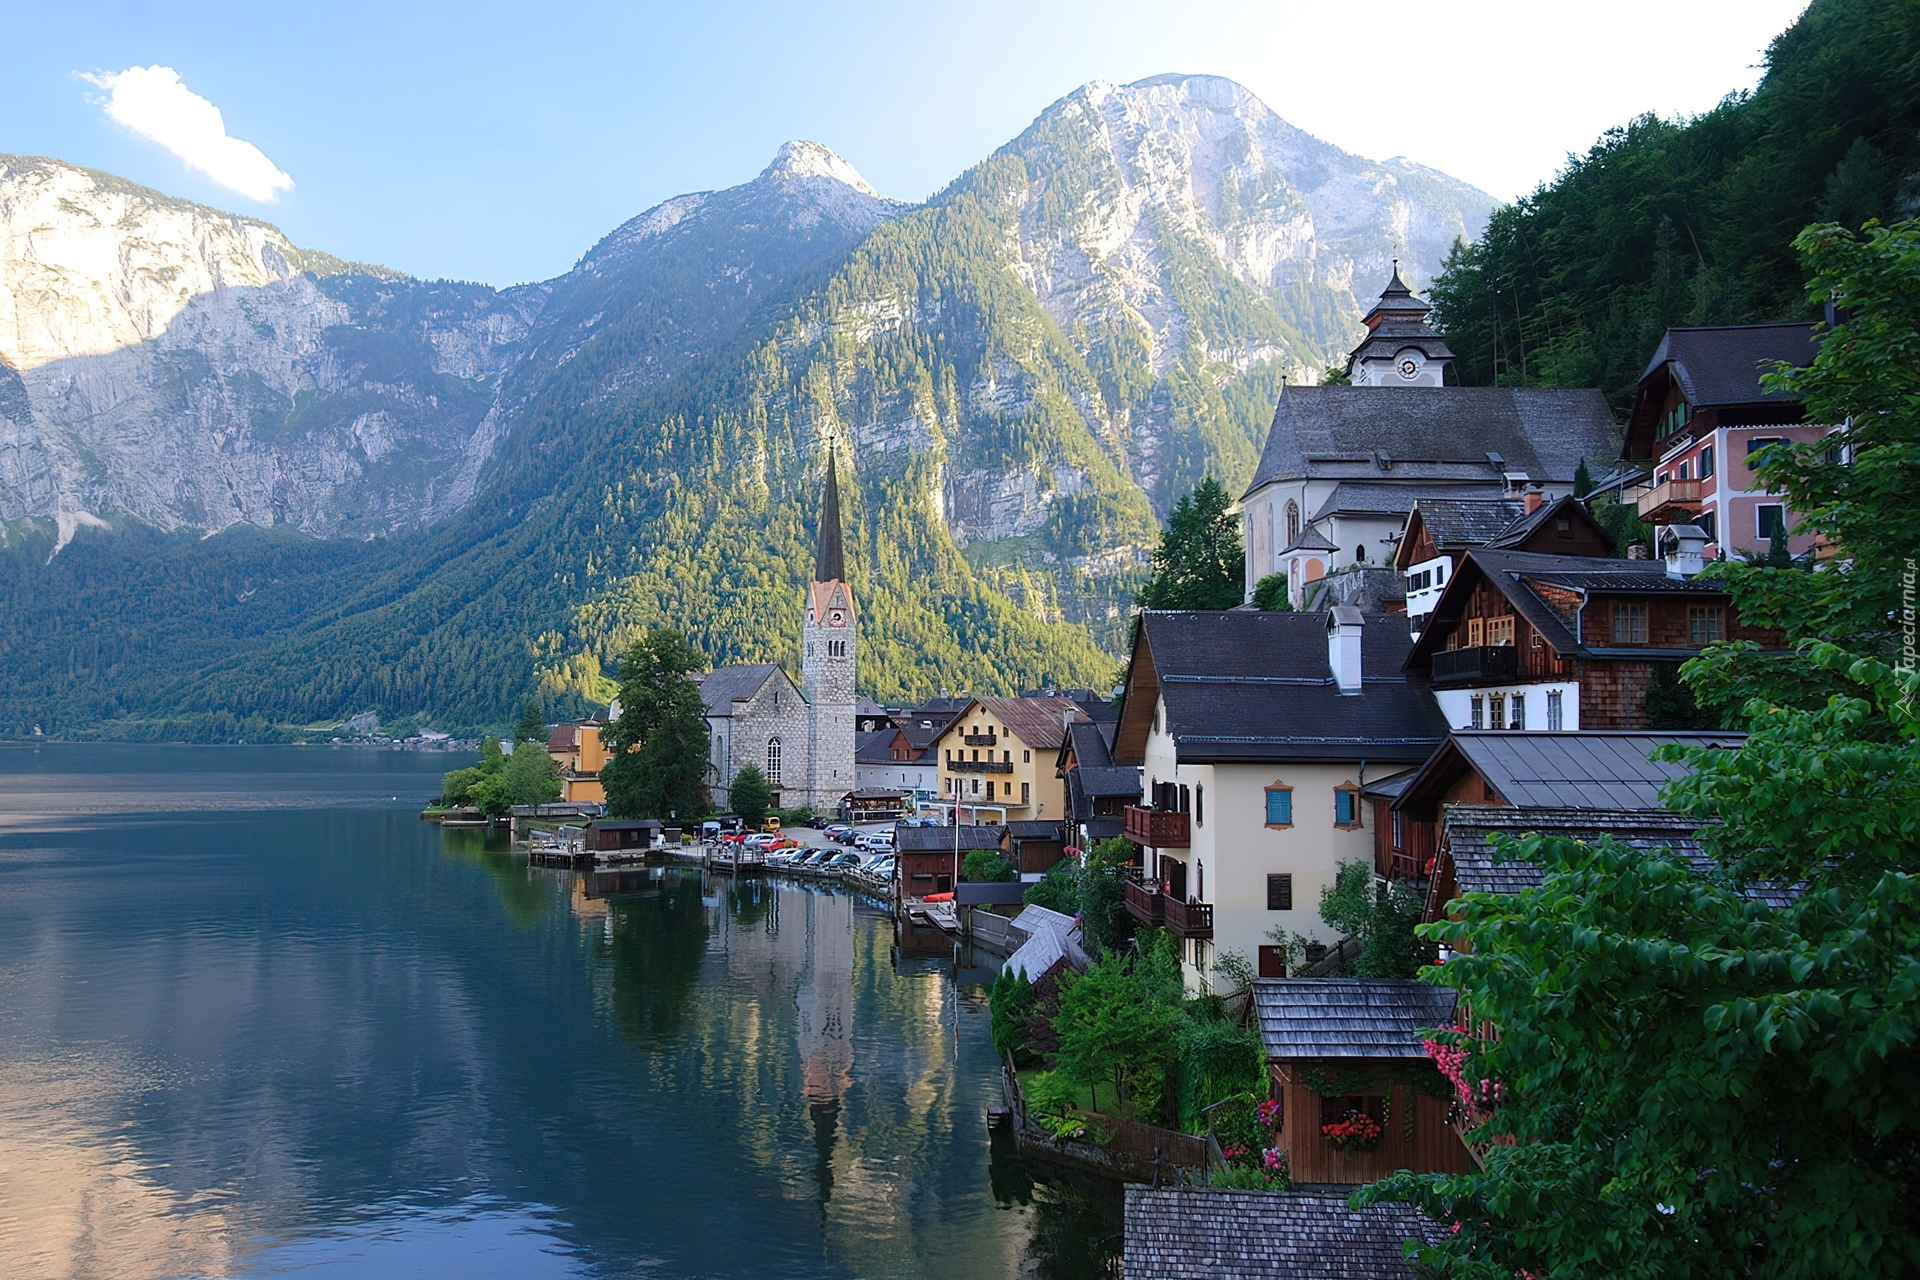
{"x":829,"y":631}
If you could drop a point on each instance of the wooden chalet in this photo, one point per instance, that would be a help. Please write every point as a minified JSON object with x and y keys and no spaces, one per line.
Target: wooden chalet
{"x":1441,"y":530}
{"x":608,"y":834}
{"x":1344,"y":1047}
{"x":929,"y":857}
{"x":1529,"y":641}
{"x":1098,"y":790}
{"x":1033,"y":847}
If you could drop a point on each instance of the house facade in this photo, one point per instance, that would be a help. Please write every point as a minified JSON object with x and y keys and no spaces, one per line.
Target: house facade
{"x":578,"y":750}
{"x":1529,"y":641}
{"x":997,"y":759}
{"x":1256,"y":734}
{"x":1700,"y":414}
{"x":1343,"y":465}
{"x":887,"y":759}
{"x":1440,"y":531}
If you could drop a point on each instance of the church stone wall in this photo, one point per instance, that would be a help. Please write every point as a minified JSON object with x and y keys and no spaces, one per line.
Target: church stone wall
{"x":776,"y":711}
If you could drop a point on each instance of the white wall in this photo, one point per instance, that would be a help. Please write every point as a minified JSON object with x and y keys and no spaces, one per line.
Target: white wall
{"x":1457,"y":704}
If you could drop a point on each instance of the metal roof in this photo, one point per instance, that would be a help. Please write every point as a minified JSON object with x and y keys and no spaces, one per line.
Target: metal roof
{"x":1591,"y":769}
{"x":1203,"y":1234}
{"x":936,"y":839}
{"x":1348,"y":1017}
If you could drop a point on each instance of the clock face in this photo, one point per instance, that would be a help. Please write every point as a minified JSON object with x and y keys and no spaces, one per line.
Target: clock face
{"x":836,"y":617}
{"x":1409,"y":367}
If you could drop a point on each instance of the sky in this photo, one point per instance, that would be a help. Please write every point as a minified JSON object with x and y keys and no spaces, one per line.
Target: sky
{"x":497,"y":142}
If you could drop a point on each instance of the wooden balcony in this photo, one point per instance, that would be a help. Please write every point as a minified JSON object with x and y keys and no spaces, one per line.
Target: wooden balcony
{"x":1188,"y":919}
{"x":1157,"y":828}
{"x":1476,"y":662}
{"x":979,"y":739}
{"x":1144,"y":903}
{"x":1675,"y":502}
{"x":980,"y":766}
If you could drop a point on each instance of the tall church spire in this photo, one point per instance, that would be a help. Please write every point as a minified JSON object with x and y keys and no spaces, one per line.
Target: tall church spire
{"x":830,"y":561}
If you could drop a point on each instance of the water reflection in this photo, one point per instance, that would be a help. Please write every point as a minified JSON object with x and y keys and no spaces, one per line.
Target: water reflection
{"x":243,"y":1041}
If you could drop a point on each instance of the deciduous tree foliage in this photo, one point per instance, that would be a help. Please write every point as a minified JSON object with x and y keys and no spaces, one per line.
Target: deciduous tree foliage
{"x":750,"y":794}
{"x":659,"y":765}
{"x":1199,"y":563}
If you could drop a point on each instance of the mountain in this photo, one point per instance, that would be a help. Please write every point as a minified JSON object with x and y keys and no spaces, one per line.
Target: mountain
{"x":1018,"y":374}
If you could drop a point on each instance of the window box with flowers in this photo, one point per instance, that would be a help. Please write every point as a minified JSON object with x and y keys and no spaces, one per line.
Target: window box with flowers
{"x":1357,"y":1131}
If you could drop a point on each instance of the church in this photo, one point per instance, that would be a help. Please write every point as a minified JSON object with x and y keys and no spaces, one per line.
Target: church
{"x":1344,"y":464}
{"x":799,"y":736}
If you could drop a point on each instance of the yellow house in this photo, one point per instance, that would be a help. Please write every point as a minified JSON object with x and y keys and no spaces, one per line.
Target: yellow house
{"x":577,"y":749}
{"x":997,"y":759}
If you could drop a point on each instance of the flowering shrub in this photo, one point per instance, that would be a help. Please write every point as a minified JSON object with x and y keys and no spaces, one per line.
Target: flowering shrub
{"x":1233,"y":1151}
{"x":1275,"y":1162}
{"x":1477,"y":1097}
{"x":1268,"y":1112}
{"x":1358,"y":1132}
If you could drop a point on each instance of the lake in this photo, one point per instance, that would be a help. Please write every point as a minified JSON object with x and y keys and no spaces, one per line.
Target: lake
{"x":256,"y":1018}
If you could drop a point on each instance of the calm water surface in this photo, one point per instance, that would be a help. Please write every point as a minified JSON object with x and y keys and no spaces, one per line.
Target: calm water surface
{"x":256,"y":1019}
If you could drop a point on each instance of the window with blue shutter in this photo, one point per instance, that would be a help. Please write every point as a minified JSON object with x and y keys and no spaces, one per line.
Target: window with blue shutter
{"x":1343,"y":808}
{"x":1280,"y":807}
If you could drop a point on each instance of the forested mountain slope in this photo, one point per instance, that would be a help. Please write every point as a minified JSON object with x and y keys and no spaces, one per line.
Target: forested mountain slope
{"x":1016,"y":374}
{"x":1691,"y":221}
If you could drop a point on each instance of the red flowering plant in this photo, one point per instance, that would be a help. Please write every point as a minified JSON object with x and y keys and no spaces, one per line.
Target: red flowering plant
{"x":1475,"y":1095}
{"x":1358,"y":1131}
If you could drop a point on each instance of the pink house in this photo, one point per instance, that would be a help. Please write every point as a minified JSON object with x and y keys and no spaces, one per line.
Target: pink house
{"x":1699,"y":415}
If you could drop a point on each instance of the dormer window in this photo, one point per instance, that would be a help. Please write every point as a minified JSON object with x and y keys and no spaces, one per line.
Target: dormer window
{"x":1673,"y":420}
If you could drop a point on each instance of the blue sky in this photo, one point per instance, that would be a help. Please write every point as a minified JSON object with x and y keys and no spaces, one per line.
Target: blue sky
{"x":497,"y":142}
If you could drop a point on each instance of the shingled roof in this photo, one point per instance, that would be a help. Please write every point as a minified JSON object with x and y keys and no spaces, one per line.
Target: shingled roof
{"x":1721,"y":364}
{"x":936,"y":839}
{"x":1353,"y":497}
{"x":1200,"y":1234}
{"x":1413,"y":434}
{"x":1470,"y":830}
{"x":1250,"y":685}
{"x":1040,"y":723}
{"x":1348,"y":1017}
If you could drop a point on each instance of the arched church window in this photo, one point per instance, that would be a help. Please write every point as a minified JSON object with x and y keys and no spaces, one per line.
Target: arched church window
{"x":773,"y":762}
{"x":1293,"y":522}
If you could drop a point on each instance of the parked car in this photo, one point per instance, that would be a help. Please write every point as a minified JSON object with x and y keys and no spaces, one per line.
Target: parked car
{"x":876,"y":842}
{"x":818,"y":824}
{"x":839,"y":833}
{"x":848,"y":861}
{"x":881,"y":868}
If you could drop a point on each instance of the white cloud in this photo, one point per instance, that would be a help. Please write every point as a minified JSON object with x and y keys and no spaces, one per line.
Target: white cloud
{"x":153,"y":103}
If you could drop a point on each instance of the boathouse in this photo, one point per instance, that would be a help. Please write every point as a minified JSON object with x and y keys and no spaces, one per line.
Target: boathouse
{"x":606,"y":834}
{"x":1359,"y":1096}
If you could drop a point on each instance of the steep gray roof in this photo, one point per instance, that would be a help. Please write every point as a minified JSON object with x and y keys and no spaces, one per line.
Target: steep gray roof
{"x":1470,"y":830}
{"x":830,"y":558}
{"x":1722,"y":364}
{"x":1247,"y":685}
{"x":1092,"y":743}
{"x":1458,"y":522}
{"x":1593,"y":769}
{"x":1100,"y":781}
{"x":723,"y":686}
{"x":875,"y":747}
{"x":1202,"y":1234}
{"x":1413,"y":434}
{"x":1348,"y":1017}
{"x":1052,"y":939}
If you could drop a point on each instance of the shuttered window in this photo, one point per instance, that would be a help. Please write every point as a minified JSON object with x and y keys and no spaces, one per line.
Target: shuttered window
{"x":1280,"y":892}
{"x":1279,"y":806}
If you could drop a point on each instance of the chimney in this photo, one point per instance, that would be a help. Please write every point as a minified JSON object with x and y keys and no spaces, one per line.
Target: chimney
{"x":1343,"y":647}
{"x":1684,"y":546}
{"x":1637,"y":551}
{"x":1534,"y":499}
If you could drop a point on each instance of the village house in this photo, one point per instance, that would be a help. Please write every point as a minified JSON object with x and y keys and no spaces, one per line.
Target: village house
{"x":1033,"y":847}
{"x":1439,"y":531}
{"x":1257,"y":733}
{"x":578,"y":749}
{"x":887,"y":759}
{"x":1204,"y":1234}
{"x":928,"y":858}
{"x":1699,"y":415}
{"x":1344,"y":1048}
{"x":1343,"y":465}
{"x":1098,"y":790}
{"x":1528,"y":641}
{"x":997,"y":758}
{"x":1608,"y":774}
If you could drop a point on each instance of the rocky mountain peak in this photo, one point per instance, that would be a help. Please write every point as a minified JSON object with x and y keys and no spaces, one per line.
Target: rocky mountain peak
{"x":802,"y":159}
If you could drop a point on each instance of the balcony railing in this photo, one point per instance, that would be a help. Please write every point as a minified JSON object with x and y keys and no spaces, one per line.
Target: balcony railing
{"x":1675,"y":502}
{"x":1476,"y":662}
{"x":980,"y":766}
{"x":1157,"y":828}
{"x":979,"y":739}
{"x":1144,"y":902}
{"x":1188,"y":919}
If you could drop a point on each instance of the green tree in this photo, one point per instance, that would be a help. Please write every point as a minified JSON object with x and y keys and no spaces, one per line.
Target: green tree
{"x":1270,"y":594}
{"x":1381,"y":916}
{"x":1116,"y":1026}
{"x":1059,"y":889}
{"x":457,"y":785}
{"x":1582,"y":480}
{"x":1104,"y":917}
{"x":659,"y":743}
{"x":532,"y":726}
{"x":987,"y":865}
{"x":1010,"y":1003}
{"x":531,"y":776}
{"x":752,"y":797}
{"x":1199,"y":563}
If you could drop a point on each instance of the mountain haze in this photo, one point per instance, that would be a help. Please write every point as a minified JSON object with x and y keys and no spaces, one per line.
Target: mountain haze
{"x":1018,"y":375}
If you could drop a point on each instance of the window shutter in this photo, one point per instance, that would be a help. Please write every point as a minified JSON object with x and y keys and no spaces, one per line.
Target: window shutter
{"x":1343,"y":808}
{"x":1280,"y":892}
{"x":1279,"y":808}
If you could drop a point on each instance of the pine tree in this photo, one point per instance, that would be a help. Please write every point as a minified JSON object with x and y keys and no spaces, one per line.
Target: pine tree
{"x":1199,"y":563}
